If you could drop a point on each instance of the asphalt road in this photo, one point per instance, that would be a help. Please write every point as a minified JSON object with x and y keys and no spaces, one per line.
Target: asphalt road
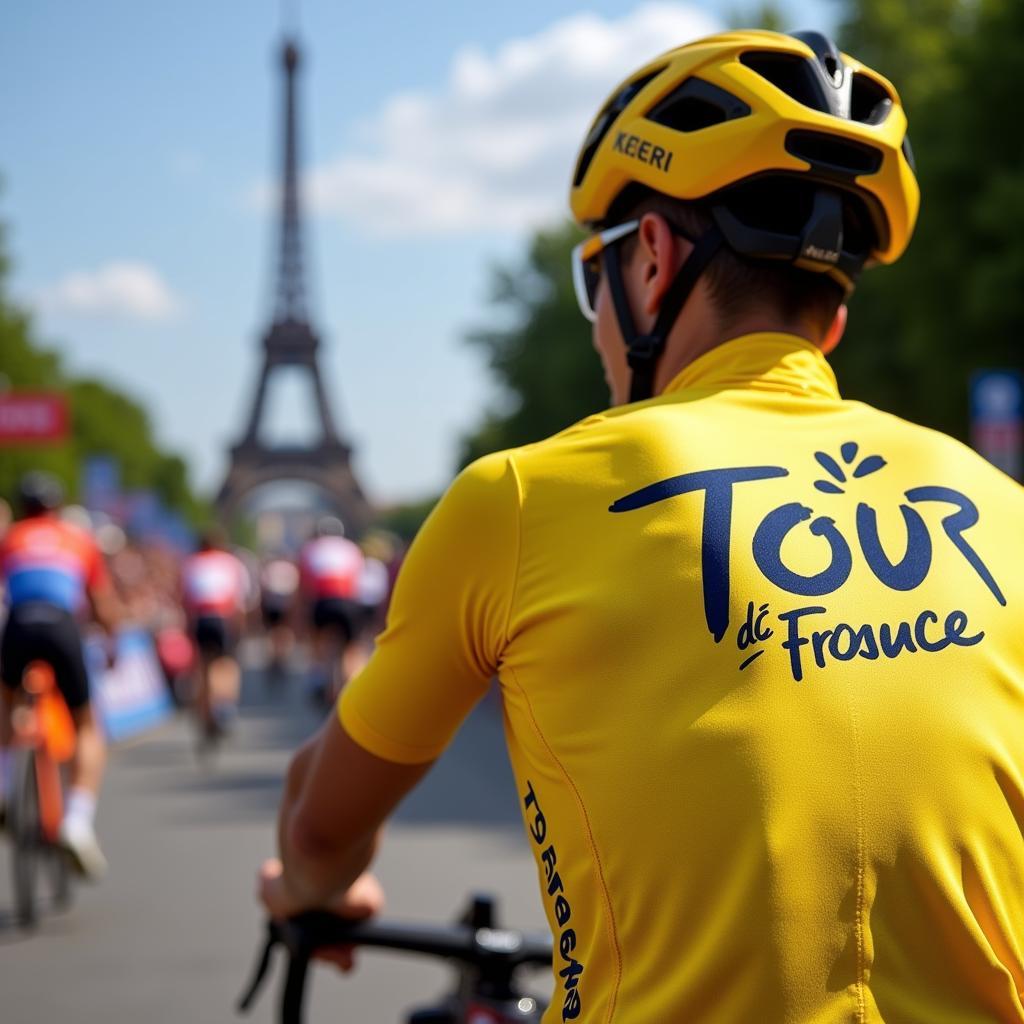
{"x":170,"y":936}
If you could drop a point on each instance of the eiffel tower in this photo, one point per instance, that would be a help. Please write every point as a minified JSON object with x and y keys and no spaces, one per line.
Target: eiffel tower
{"x":291,"y":342}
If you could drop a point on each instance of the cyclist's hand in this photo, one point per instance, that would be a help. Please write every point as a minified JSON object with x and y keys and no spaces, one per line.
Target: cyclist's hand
{"x":365,"y":898}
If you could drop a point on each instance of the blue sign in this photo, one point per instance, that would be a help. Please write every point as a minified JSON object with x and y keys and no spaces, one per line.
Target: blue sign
{"x":131,"y":696}
{"x":997,"y":418}
{"x":142,"y":511}
{"x":101,"y":483}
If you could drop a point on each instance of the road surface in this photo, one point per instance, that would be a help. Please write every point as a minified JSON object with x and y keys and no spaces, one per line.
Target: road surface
{"x":170,"y":936}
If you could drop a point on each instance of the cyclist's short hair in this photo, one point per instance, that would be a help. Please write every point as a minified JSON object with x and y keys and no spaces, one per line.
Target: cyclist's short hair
{"x":737,"y":284}
{"x":39,"y":492}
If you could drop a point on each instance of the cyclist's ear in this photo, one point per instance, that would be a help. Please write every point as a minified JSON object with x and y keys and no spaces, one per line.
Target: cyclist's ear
{"x":659,"y":254}
{"x":834,"y":334}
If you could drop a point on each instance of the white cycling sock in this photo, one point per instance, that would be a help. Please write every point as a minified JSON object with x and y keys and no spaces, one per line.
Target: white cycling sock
{"x":81,"y":806}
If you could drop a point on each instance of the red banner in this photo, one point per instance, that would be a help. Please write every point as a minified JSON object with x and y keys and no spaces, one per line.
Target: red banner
{"x":32,"y":418}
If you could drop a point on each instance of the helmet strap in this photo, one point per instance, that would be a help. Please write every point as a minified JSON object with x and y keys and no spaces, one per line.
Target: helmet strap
{"x":644,"y":350}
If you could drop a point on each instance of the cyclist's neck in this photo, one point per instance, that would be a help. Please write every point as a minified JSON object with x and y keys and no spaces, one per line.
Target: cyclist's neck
{"x":694,"y":335}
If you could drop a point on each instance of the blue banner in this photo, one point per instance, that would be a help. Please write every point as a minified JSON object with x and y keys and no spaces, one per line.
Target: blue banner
{"x":130,"y":697}
{"x":997,"y":418}
{"x":101,"y":484}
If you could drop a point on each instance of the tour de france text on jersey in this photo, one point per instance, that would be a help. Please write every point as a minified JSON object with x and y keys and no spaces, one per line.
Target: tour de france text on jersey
{"x":561,"y":909}
{"x":805,"y":632}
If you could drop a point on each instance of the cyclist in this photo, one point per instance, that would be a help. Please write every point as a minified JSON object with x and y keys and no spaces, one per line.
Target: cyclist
{"x":331,"y":568}
{"x":279,"y":582}
{"x":52,"y":569}
{"x":760,"y":648}
{"x":215,"y":585}
{"x":380,"y":550}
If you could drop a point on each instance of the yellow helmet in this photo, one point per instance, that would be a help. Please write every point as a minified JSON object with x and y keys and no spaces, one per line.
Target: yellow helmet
{"x":710,"y":119}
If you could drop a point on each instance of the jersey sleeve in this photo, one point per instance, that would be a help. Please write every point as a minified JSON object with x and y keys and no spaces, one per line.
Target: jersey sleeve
{"x":447,"y":623}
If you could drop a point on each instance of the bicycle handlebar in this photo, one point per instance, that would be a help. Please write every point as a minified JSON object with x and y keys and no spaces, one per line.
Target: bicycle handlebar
{"x":496,"y":953}
{"x":474,"y":946}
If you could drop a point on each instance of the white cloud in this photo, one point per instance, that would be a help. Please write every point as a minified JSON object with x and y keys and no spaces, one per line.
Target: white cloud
{"x":119,"y":289}
{"x":493,"y":149}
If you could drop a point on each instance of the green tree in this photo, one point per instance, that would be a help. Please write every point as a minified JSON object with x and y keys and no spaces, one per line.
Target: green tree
{"x":909,"y":41}
{"x":103,"y":420}
{"x":541,"y":356}
{"x":27,"y":366}
{"x":405,"y":519}
{"x":954,"y":303}
{"x":767,"y":15}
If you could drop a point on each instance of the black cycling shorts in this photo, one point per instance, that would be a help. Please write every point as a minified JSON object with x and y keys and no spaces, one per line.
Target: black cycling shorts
{"x":38,"y":631}
{"x":274,"y":610}
{"x":337,"y":615}
{"x":214,"y":637}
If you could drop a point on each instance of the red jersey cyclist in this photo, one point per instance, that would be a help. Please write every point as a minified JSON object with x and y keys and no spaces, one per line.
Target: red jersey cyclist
{"x":52,"y":570}
{"x":215,"y":585}
{"x":331,"y":570}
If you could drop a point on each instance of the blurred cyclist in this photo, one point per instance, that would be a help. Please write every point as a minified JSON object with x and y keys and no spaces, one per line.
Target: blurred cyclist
{"x":380,"y":550}
{"x":279,"y":584}
{"x":215,"y":585}
{"x":52,"y":569}
{"x":760,"y":648}
{"x":331,"y":568}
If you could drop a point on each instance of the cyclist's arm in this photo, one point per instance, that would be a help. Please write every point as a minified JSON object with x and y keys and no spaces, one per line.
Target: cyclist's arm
{"x":105,"y":606}
{"x":445,"y":635}
{"x":327,"y":830}
{"x":104,"y":603}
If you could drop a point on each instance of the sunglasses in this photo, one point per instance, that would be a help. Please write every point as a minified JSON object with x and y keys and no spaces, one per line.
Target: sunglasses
{"x":586,"y":264}
{"x":586,"y":261}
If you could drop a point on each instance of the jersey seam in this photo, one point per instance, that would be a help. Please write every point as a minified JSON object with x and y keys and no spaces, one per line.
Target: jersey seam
{"x":612,"y":928}
{"x":519,"y":549}
{"x":858,"y":795}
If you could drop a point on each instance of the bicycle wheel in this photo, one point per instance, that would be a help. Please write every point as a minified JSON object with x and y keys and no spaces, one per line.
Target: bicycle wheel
{"x":26,"y":836}
{"x":60,"y":877}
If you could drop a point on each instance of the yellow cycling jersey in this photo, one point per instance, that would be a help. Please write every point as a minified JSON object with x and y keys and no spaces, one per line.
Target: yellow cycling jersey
{"x":761,"y":655}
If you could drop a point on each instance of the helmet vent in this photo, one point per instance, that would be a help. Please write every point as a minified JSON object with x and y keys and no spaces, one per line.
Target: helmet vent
{"x":829,"y":59}
{"x":606,"y":118}
{"x":791,"y":73}
{"x":696,"y":105}
{"x":832,"y":155}
{"x":870,"y":101}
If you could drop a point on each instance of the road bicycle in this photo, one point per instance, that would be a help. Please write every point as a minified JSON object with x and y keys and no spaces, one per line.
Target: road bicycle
{"x":44,"y":739}
{"x":488,"y":961}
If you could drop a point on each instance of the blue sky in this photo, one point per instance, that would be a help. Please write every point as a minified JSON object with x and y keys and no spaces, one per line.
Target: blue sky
{"x":140,"y":146}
